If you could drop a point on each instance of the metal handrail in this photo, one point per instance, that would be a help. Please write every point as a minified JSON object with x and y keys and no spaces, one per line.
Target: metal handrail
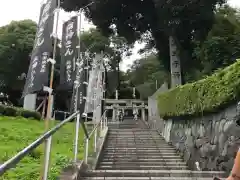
{"x":20,"y":155}
{"x":102,"y":120}
{"x":97,"y":125}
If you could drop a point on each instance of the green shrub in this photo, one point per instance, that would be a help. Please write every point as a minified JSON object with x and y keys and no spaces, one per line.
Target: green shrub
{"x":204,"y":96}
{"x":10,"y":111}
{"x":30,"y":114}
{"x":13,"y":111}
{"x":2,"y":108}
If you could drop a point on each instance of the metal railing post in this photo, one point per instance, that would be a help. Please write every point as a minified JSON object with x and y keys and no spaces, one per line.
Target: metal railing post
{"x":104,"y":122}
{"x":76,"y":137}
{"x":101,"y":126}
{"x":47,"y":158}
{"x":95,"y":140}
{"x":86,"y":150}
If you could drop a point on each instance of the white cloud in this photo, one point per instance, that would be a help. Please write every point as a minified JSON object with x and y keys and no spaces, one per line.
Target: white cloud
{"x":234,"y":3}
{"x":29,"y":9}
{"x":19,"y":10}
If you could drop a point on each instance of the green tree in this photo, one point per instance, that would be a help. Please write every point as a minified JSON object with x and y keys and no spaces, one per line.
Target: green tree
{"x":145,"y":72}
{"x":113,"y":49}
{"x":16,"y":43}
{"x":222,"y":46}
{"x":184,"y":20}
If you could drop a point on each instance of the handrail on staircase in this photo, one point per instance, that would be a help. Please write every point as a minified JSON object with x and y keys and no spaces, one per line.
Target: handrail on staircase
{"x":20,"y":155}
{"x":102,"y":124}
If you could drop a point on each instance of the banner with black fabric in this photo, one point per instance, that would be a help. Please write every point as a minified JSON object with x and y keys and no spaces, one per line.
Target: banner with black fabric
{"x":79,"y":89}
{"x":68,"y":54}
{"x":38,"y":70}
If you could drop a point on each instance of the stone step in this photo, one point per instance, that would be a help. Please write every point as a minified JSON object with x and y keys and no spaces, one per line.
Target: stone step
{"x":119,"y":156}
{"x":142,"y":159}
{"x":141,"y":167}
{"x":141,"y":149}
{"x":156,"y":144}
{"x":134,"y":146}
{"x":147,"y":136}
{"x":139,"y":155}
{"x":147,"y":178}
{"x":153,"y":173}
{"x":131,"y":137}
{"x":146,"y":162}
{"x":139,"y":142}
{"x":136,"y":135}
{"x":159,"y":142}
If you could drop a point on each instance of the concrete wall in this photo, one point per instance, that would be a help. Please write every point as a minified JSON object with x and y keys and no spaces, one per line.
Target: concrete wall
{"x":212,"y":140}
{"x":30,"y":102}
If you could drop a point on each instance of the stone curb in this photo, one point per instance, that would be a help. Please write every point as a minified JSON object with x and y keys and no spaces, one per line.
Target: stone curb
{"x":72,"y":171}
{"x":101,"y":148}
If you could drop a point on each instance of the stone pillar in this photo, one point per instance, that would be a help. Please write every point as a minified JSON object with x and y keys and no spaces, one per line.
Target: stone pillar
{"x":176,"y":78}
{"x":113,"y":113}
{"x":167,"y":130}
{"x":30,"y":102}
{"x":143,"y":113}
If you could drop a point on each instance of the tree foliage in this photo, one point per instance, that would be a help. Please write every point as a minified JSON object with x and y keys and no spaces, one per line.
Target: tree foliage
{"x":185,"y":20}
{"x":221,"y":47}
{"x":16,"y":43}
{"x":113,"y":48}
{"x":144,"y":73}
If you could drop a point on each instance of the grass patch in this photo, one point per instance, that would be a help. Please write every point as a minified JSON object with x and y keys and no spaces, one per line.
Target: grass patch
{"x":205,"y":96}
{"x":16,"y":133}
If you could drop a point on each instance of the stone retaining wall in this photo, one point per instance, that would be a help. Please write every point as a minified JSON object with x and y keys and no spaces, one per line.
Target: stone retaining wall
{"x":211,"y":140}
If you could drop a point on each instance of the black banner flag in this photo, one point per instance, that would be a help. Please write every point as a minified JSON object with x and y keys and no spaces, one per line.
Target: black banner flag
{"x":38,"y":69}
{"x":68,"y":53}
{"x":79,"y":89}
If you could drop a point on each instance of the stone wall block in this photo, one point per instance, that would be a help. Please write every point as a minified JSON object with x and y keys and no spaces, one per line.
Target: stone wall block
{"x":221,"y":142}
{"x":211,"y":140}
{"x":221,"y":125}
{"x":231,"y":112}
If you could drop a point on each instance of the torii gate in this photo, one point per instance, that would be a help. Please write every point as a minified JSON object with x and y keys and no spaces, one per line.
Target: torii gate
{"x":128,"y":104}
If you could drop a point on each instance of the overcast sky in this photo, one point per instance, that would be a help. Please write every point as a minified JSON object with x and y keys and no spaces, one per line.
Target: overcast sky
{"x":29,"y":9}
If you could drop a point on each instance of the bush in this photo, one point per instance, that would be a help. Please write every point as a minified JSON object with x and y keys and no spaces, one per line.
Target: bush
{"x":204,"y":96}
{"x":2,"y":108}
{"x":13,"y":111}
{"x":10,"y":111}
{"x":30,"y":114}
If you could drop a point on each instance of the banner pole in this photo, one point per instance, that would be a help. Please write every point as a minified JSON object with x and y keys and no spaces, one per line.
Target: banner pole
{"x":47,"y":148}
{"x":77,"y":69}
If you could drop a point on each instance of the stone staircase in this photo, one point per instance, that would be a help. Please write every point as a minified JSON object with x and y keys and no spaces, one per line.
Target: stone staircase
{"x":134,"y":152}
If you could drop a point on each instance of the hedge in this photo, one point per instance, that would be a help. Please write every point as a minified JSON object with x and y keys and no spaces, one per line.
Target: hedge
{"x":203,"y":96}
{"x":14,"y":111}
